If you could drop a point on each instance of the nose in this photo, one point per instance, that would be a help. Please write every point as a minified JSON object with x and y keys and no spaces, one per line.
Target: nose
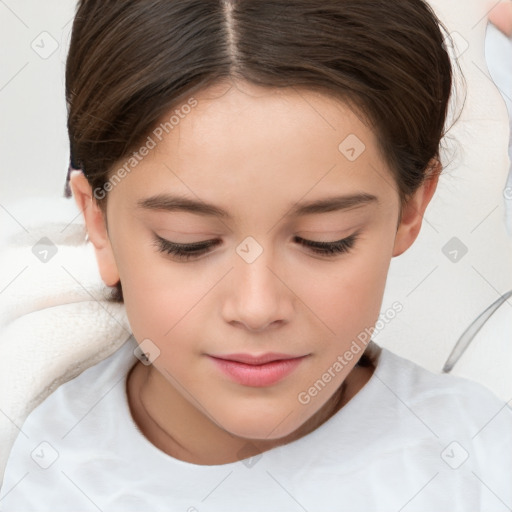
{"x":257,"y":297}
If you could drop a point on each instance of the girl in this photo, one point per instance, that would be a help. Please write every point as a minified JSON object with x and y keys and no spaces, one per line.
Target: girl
{"x":246,"y":171}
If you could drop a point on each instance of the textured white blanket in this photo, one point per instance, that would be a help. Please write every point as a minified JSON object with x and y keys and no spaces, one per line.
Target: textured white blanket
{"x":52,"y":296}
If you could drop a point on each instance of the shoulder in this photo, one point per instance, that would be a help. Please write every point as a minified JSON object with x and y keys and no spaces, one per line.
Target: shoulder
{"x":441,"y":395}
{"x":463,"y":418}
{"x":65,"y":426}
{"x":75,"y":398}
{"x":447,"y":431}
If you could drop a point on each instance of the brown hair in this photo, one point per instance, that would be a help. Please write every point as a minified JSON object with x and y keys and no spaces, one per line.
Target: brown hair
{"x":131,"y":61}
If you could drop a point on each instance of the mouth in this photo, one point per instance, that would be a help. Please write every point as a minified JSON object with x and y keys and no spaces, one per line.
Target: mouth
{"x":257,"y":371}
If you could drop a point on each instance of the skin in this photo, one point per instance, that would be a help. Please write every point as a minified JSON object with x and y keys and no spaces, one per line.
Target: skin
{"x":254,"y":152}
{"x":501,"y":17}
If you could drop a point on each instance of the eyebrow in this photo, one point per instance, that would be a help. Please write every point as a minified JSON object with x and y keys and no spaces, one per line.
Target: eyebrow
{"x":173,"y":203}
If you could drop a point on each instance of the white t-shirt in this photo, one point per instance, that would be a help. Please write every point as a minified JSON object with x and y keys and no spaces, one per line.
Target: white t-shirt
{"x":409,"y":441}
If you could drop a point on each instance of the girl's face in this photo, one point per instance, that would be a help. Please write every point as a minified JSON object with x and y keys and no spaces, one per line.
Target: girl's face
{"x":252,"y":171}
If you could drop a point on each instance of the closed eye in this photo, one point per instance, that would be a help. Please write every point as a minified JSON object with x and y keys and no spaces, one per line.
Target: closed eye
{"x":330,"y":248}
{"x":185,"y":252}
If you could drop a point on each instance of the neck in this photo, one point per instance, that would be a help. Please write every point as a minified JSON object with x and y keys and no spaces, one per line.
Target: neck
{"x":182,"y":429}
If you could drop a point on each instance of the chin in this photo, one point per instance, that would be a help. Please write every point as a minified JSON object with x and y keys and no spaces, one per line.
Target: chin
{"x":263,"y":426}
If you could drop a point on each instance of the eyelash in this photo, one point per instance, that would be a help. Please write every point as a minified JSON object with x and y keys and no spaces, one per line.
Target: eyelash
{"x":189,"y":251}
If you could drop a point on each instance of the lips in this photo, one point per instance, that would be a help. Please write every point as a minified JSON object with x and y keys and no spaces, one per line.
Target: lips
{"x":256,"y":360}
{"x":257,"y":371}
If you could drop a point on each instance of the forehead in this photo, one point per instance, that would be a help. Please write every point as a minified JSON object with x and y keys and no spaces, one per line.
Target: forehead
{"x":251,"y":114}
{"x":236,"y":142}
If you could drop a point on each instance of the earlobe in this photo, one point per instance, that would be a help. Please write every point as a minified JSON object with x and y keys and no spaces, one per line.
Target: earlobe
{"x":96,"y":227}
{"x":413,"y":212}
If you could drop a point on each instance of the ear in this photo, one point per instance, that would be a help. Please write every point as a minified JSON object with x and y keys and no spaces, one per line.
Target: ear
{"x":96,"y":227}
{"x":413,"y":211}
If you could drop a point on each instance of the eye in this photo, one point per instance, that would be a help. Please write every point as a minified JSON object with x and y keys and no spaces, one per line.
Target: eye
{"x":186,"y":252}
{"x":330,"y":248}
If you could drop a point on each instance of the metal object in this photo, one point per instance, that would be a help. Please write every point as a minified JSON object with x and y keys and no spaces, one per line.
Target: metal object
{"x":468,"y":335}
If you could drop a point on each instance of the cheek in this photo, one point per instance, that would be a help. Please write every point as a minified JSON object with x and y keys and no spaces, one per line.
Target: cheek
{"x":160,"y":302}
{"x":160,"y":296}
{"x":347,"y":296}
